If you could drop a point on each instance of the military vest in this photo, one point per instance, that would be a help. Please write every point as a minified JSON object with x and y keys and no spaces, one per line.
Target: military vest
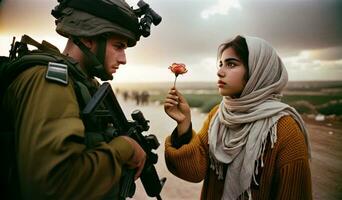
{"x":60,"y":69}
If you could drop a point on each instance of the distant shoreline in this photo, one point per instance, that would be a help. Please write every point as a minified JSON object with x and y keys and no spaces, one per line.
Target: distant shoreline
{"x":206,"y":85}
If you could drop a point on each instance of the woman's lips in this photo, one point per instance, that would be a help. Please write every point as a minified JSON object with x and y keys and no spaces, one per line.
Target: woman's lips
{"x":220,"y":84}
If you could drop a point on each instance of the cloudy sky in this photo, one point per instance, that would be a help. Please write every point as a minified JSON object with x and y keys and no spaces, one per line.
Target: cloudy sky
{"x":306,"y":33}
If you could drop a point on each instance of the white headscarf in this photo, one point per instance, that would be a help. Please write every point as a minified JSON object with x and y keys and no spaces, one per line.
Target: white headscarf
{"x":238,"y":131}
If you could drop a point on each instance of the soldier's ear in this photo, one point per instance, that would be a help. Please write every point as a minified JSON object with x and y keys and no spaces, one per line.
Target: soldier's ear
{"x":90,"y":43}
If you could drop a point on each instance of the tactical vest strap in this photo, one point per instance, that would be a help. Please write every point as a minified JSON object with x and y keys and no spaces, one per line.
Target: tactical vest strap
{"x":12,"y":69}
{"x":82,"y":93}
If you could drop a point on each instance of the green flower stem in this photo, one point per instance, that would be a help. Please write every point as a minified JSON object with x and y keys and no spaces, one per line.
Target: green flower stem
{"x":174,"y":83}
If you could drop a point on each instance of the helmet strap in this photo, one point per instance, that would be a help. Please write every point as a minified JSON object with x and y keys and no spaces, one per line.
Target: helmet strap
{"x":96,"y":68}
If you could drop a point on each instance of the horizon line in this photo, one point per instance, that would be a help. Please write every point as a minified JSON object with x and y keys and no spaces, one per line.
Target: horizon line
{"x":113,"y":81}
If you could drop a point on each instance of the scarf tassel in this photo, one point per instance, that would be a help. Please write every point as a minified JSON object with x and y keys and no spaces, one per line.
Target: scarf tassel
{"x":217,"y":167}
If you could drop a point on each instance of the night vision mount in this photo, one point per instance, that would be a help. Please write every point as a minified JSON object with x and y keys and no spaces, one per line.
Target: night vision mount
{"x":150,"y":16}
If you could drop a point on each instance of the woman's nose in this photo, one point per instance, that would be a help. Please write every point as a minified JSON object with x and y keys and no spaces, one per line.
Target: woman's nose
{"x":220,"y":72}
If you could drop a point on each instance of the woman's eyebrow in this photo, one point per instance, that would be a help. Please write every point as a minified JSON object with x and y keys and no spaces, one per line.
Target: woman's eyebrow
{"x":231,"y":59}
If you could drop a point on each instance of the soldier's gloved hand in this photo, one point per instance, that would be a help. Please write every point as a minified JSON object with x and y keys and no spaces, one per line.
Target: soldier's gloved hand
{"x":138,"y":159}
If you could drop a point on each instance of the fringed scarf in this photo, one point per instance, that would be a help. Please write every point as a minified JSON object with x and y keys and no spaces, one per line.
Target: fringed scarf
{"x":239,"y":129}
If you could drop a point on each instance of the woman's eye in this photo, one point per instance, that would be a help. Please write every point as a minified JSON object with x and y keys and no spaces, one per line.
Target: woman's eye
{"x":231,"y":65}
{"x":227,"y":65}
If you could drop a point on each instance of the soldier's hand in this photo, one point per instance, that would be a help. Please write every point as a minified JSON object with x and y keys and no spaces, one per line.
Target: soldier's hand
{"x":138,"y":159}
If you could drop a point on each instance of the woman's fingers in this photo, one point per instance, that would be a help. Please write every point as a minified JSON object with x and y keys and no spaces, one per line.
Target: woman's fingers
{"x":176,"y":93}
{"x":172,"y":98}
{"x":171,"y":101}
{"x":179,"y":96}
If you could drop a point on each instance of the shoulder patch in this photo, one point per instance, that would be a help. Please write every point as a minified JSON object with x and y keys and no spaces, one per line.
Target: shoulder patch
{"x":57,"y":72}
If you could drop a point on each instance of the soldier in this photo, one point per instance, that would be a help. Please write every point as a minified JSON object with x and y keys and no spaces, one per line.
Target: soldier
{"x":44,"y":103}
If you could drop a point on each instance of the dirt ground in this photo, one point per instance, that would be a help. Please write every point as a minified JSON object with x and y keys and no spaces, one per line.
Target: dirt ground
{"x":326,"y":162}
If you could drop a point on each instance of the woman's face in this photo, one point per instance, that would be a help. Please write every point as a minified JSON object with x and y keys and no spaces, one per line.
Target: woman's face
{"x":231,"y":74}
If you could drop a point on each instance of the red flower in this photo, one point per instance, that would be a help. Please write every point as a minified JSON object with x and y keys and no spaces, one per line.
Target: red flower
{"x":178,"y":68}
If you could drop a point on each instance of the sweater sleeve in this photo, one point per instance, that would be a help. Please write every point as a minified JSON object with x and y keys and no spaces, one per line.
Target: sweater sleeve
{"x":178,"y":141}
{"x":53,"y":162}
{"x":190,"y":161}
{"x":294,"y":176}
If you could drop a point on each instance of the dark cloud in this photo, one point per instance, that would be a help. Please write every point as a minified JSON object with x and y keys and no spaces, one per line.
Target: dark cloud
{"x":297,"y":24}
{"x":290,"y":26}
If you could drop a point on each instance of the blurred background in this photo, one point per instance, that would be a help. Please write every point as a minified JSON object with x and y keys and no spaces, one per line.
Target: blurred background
{"x":306,"y":33}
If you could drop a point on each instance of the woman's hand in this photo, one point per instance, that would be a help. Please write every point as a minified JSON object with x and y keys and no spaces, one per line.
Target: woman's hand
{"x":177,"y":108}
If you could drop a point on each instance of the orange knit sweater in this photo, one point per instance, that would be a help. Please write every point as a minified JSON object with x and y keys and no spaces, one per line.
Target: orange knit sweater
{"x":285,"y":175}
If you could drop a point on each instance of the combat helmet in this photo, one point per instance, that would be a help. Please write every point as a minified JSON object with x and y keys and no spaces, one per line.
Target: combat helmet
{"x":94,"y":18}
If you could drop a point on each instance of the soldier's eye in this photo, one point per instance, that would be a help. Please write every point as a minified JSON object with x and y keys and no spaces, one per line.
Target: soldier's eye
{"x":119,"y":46}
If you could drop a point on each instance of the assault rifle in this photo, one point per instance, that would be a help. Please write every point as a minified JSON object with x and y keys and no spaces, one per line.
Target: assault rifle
{"x":104,"y":105}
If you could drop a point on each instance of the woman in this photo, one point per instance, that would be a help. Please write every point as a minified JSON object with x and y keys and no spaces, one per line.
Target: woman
{"x":251,"y":144}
